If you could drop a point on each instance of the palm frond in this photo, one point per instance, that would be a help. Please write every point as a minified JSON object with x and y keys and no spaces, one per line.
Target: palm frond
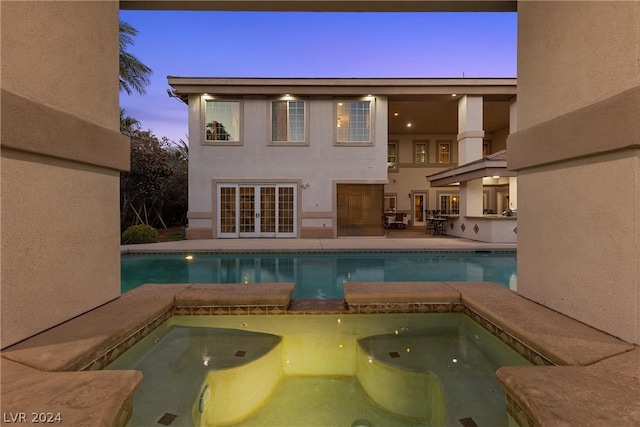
{"x":134,"y":75}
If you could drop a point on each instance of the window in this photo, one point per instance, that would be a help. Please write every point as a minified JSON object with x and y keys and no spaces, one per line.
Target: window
{"x":392,"y":156}
{"x":353,"y":121}
{"x":389,"y":203}
{"x":288,"y":121}
{"x":222,"y":121}
{"x":485,"y":149}
{"x":444,"y":152}
{"x":421,"y":151}
{"x":450,"y":203}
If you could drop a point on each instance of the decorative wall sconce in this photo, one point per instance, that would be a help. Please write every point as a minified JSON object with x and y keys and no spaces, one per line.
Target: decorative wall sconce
{"x":305,"y":185}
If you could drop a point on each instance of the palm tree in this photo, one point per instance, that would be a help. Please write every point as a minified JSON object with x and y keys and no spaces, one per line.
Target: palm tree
{"x":134,"y":75}
{"x":128,"y":124}
{"x":180,"y":152}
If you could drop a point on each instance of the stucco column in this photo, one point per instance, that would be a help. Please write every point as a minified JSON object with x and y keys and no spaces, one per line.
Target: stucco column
{"x":577,"y":154}
{"x":471,"y":198}
{"x":470,"y":135}
{"x":470,"y":129}
{"x":62,"y":153}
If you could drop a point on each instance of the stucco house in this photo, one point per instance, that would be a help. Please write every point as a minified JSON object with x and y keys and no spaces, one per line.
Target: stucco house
{"x":576,"y":152}
{"x":325,"y":157}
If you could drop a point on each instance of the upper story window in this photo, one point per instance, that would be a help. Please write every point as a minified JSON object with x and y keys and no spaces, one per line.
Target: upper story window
{"x":421,"y":151}
{"x":392,"y":156}
{"x":222,"y":121}
{"x":444,"y":152}
{"x":288,"y":121}
{"x":353,"y":122}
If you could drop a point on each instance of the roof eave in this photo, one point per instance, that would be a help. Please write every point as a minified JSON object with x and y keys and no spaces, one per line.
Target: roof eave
{"x":470,"y":172}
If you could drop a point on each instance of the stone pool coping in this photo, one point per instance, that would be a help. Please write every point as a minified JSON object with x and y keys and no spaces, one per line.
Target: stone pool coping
{"x":590,"y":377}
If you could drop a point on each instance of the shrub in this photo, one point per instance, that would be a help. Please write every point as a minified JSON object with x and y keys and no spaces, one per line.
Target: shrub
{"x":141,"y":233}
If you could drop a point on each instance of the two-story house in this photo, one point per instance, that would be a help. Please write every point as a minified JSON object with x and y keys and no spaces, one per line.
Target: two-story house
{"x":326,"y":157}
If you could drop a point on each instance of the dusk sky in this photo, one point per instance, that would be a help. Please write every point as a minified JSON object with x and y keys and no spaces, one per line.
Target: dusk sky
{"x":292,"y":44}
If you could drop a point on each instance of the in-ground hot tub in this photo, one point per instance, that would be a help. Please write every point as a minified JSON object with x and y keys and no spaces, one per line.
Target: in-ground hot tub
{"x":45,"y":371}
{"x":317,"y":370}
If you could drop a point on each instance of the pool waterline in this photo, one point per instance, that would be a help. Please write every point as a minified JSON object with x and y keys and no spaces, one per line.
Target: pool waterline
{"x":323,"y":349}
{"x":318,"y":275}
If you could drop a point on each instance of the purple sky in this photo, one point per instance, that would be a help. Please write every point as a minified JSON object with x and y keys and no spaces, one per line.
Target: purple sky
{"x":292,"y":44}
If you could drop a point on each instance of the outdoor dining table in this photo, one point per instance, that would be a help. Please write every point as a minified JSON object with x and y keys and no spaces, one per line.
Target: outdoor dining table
{"x":439,"y":225}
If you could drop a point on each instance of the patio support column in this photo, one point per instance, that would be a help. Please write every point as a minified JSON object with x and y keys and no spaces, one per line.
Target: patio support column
{"x":577,"y":154}
{"x":471,"y":198}
{"x":470,"y":135}
{"x":62,"y":153}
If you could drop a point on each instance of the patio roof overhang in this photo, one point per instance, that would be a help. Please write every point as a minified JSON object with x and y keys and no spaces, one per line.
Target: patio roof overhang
{"x":493,"y":165}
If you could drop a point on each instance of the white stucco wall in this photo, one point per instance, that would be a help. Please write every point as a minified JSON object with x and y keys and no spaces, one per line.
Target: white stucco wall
{"x":320,"y":163}
{"x":411,"y":176}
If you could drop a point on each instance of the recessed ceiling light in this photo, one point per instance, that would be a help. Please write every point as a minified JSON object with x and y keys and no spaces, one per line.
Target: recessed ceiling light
{"x":453,"y":94}
{"x":396,"y":113}
{"x":408,"y":125}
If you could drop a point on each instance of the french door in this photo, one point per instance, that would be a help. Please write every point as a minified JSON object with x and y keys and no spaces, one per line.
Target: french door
{"x":256,"y":210}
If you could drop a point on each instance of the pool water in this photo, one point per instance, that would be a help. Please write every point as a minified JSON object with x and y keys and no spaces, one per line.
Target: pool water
{"x":320,"y":370}
{"x":318,"y":276}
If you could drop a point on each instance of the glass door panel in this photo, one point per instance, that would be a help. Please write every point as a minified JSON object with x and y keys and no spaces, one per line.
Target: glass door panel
{"x":286,"y":210}
{"x":256,"y":210}
{"x":247,"y":212}
{"x":267,"y":211}
{"x":227,"y":210}
{"x":418,"y":208}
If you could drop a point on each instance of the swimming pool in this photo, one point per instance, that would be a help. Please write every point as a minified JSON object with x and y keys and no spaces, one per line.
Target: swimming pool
{"x":318,"y":275}
{"x":320,"y":370}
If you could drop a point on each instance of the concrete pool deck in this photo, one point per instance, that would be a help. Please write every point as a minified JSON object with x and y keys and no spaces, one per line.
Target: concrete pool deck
{"x":585,"y":377}
{"x":413,"y":242}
